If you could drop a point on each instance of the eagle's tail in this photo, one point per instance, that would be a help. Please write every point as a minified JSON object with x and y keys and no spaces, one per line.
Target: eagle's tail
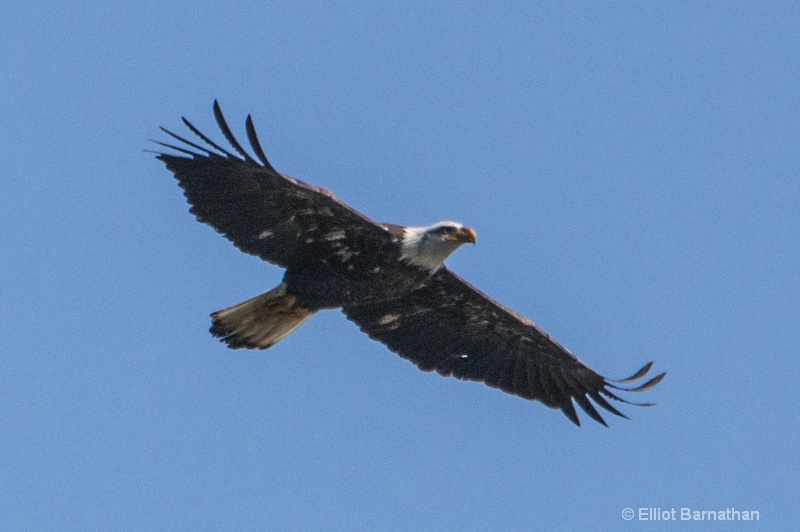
{"x":261,"y":322}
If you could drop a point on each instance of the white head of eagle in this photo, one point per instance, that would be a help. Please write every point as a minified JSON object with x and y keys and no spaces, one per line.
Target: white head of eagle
{"x":428,"y":247}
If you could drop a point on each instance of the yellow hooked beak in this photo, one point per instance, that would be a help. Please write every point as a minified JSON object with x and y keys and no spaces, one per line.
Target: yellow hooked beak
{"x":465,"y":235}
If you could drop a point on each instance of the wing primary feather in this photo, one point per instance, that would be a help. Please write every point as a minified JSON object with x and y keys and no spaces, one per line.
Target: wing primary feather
{"x":575,"y":388}
{"x":255,"y":144}
{"x":172,"y":147}
{"x":587,"y":407}
{"x":638,"y":375}
{"x":644,"y":387}
{"x":206,"y":139}
{"x":187,"y":142}
{"x":609,"y":394}
{"x":569,"y":410}
{"x":569,"y":391}
{"x":600,"y":400}
{"x":651,"y":383}
{"x":223,"y":125}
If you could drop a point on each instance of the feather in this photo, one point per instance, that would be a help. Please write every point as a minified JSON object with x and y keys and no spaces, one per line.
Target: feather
{"x":256,"y":145}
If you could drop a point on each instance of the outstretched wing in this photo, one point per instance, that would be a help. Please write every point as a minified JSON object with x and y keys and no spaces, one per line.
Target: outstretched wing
{"x":278,"y":218}
{"x":451,"y":327}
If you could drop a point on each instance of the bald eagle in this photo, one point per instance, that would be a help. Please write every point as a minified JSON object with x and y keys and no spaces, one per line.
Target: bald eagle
{"x":389,"y":280}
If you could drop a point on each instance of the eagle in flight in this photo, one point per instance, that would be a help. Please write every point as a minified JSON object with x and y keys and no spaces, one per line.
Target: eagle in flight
{"x":389,"y":280}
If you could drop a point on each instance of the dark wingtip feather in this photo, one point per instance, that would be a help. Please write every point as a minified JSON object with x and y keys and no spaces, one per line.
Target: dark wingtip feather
{"x":642,"y":388}
{"x":188,"y":142}
{"x":217,"y":150}
{"x":610,"y":395}
{"x":255,"y":144}
{"x":223,"y":125}
{"x":161,"y":155}
{"x":205,"y":139}
{"x":638,"y":375}
{"x":569,"y":411}
{"x":587,"y":407}
{"x":649,"y":384}
{"x":600,"y":400}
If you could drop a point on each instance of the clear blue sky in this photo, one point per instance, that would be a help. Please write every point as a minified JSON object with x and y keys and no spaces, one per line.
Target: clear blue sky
{"x":632,"y":171}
